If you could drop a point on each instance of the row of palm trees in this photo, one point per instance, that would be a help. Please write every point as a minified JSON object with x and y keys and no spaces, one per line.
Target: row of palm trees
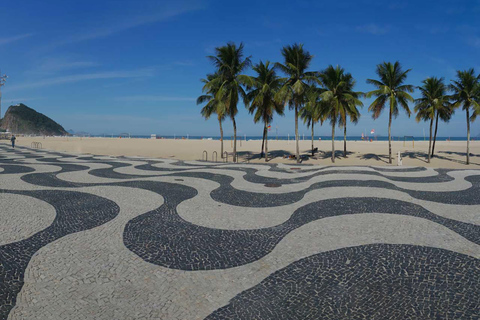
{"x":317,"y":97}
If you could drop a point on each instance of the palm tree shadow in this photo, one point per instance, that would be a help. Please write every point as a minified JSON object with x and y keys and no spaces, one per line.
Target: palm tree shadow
{"x":370,"y":156}
{"x":463,"y":154}
{"x":328,"y":154}
{"x":248,"y":155}
{"x":422,"y":156}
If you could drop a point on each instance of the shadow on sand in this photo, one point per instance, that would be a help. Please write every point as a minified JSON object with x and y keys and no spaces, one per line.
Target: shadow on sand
{"x":306,"y":155}
{"x":248,"y":155}
{"x":328,"y":154}
{"x":422,"y":156}
{"x":463,"y":154}
{"x":370,"y":156}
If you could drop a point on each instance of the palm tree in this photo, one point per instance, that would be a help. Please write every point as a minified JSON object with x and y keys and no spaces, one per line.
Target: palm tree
{"x":390,"y":88}
{"x":445,"y":114}
{"x":261,"y":96}
{"x":230,"y":64}
{"x":427,"y":107}
{"x":349,"y":109}
{"x":339,"y":100}
{"x":213,"y":106}
{"x":296,"y":63}
{"x":466,"y":93}
{"x":311,"y":113}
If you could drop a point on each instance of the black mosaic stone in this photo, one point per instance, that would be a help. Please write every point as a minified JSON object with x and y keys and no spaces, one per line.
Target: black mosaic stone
{"x":368,"y":282}
{"x":374,"y":282}
{"x":75,"y":211}
{"x":49,"y":179}
{"x":15,"y":169}
{"x":229,"y":195}
{"x":162,"y":237}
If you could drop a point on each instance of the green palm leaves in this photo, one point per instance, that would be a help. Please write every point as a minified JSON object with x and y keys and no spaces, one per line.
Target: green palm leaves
{"x":229,"y":62}
{"x":312,"y":111}
{"x":434,"y":97}
{"x":262,"y":93}
{"x":265,"y":86}
{"x":466,"y":93}
{"x":391,"y":89}
{"x":339,"y":101}
{"x":433,"y":102}
{"x":213,"y":105}
{"x":295,"y":65}
{"x":327,"y":95}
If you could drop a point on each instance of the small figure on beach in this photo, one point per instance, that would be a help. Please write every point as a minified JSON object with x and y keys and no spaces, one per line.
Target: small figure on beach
{"x":13,"y":141}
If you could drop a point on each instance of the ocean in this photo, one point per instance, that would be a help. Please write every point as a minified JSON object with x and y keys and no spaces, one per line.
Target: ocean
{"x":273,"y":137}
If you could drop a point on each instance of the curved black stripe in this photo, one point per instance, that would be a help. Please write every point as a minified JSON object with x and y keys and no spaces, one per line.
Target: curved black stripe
{"x":374,"y":282}
{"x":76,"y":212}
{"x":13,"y":169}
{"x":50,"y":179}
{"x":225,"y":192}
{"x":164,"y":238}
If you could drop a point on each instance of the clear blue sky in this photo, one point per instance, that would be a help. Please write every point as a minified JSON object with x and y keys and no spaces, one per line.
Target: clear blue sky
{"x":134,"y":66}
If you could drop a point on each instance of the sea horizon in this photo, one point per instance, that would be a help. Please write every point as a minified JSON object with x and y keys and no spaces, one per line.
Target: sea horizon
{"x":281,"y":138}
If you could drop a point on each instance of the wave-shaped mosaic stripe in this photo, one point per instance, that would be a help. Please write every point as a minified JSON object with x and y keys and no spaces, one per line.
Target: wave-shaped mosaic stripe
{"x":161,"y":237}
{"x":367,"y":282}
{"x":75,"y":212}
{"x":245,"y":198}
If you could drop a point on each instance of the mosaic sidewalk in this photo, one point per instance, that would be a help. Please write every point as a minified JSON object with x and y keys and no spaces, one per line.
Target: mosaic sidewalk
{"x":95,"y":237}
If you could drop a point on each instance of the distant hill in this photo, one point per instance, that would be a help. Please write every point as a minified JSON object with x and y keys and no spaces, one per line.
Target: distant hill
{"x":21,"y":119}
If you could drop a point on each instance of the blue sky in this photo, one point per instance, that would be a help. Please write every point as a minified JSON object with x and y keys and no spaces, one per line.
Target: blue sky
{"x":134,"y":66}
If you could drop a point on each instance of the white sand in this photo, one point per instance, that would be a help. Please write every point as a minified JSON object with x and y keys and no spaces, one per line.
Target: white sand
{"x":449,"y":154}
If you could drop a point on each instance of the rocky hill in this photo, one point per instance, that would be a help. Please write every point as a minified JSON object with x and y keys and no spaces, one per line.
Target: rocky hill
{"x":21,"y":119}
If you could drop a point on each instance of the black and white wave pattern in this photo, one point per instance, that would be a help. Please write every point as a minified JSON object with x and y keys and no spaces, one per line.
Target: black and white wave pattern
{"x":95,"y":237}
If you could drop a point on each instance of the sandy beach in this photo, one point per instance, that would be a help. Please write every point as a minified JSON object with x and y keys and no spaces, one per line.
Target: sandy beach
{"x":449,"y":154}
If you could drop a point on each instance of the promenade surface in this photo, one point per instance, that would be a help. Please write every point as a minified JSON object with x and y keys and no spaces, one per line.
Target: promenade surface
{"x":97,"y":237}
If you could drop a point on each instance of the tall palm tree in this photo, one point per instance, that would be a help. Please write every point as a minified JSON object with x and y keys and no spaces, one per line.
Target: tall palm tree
{"x":311,"y":113}
{"x":445,"y":114}
{"x":230,"y":63}
{"x":390,"y":88}
{"x":213,"y":106}
{"x":339,"y":99}
{"x":427,"y":107}
{"x":349,"y":108}
{"x":466,"y":93}
{"x":296,"y":63}
{"x":262,"y":97}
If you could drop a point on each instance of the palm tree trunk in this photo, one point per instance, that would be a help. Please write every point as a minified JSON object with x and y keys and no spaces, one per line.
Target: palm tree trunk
{"x":263,"y":140}
{"x":266,"y":145}
{"x":313,"y":152}
{"x":345,"y":139}
{"x":221,"y":138}
{"x":390,"y":137}
{"x":435,"y":136}
{"x":333,"y":141}
{"x":234,"y":140}
{"x":297,"y":154}
{"x":430,"y":143}
{"x":468,"y":136}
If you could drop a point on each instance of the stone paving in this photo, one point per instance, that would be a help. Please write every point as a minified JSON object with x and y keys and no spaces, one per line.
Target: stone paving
{"x":95,"y":237}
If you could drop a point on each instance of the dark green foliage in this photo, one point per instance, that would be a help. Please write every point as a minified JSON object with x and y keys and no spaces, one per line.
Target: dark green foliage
{"x":390,"y":88}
